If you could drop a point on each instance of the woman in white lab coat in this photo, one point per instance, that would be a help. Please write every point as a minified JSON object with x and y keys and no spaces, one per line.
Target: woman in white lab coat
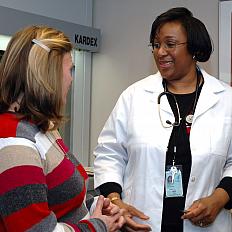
{"x":165,"y":153}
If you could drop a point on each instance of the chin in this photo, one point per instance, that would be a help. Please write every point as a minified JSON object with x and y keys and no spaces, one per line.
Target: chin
{"x":166,"y":76}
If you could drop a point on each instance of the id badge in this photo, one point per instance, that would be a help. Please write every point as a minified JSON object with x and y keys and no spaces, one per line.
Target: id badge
{"x":173,"y":181}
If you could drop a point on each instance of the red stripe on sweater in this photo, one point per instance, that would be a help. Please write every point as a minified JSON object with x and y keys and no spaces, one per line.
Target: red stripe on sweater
{"x":62,"y":209}
{"x":73,"y":226}
{"x":58,"y":175}
{"x":90,"y":225}
{"x":62,"y":146}
{"x":81,"y":169}
{"x":19,"y":176}
{"x":27,"y":217}
{"x":8,"y":128}
{"x":2,"y":226}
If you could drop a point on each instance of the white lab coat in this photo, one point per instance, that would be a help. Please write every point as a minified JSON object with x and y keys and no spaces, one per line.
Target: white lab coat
{"x":132,"y":147}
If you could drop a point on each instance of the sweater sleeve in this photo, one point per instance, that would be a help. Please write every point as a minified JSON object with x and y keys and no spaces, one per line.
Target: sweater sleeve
{"x":24,"y":196}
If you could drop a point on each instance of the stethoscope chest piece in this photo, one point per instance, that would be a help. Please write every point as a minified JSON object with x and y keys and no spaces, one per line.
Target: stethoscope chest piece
{"x":189,"y":118}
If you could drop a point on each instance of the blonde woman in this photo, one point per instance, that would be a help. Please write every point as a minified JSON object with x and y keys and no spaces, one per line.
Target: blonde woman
{"x":42,"y":184}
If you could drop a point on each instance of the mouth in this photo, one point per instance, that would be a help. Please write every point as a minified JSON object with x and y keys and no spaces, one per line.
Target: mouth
{"x":165,"y":64}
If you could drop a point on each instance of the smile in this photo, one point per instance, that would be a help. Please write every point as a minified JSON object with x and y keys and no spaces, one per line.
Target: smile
{"x":165,"y":64}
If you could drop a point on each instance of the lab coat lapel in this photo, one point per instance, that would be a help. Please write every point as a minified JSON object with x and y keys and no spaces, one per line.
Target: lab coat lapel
{"x":155,"y":87}
{"x":208,"y":97}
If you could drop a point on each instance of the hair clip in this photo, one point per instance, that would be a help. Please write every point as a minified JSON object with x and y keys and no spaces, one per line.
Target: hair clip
{"x":38,"y":42}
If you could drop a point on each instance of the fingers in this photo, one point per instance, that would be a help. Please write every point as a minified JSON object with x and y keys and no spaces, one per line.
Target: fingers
{"x":115,"y":209}
{"x":135,"y":212}
{"x":194,"y":211}
{"x":111,"y":209}
{"x":127,"y":229}
{"x":121,"y":221}
{"x":106,"y":203}
{"x":202,"y":212}
{"x":136,"y":226}
{"x":99,"y":206}
{"x":116,"y":221}
{"x":202,"y":223}
{"x":129,"y":212}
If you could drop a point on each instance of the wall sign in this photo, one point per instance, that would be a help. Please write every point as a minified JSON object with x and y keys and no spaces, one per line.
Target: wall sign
{"x":82,"y":37}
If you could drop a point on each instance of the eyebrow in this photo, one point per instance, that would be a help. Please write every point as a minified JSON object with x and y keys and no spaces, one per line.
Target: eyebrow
{"x":166,"y":37}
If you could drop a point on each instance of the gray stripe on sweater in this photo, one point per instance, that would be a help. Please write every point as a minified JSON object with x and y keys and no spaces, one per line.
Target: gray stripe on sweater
{"x":75,"y":215}
{"x":48,"y":224}
{"x":67,"y":190}
{"x":98,"y":224}
{"x":26,"y":130}
{"x":21,"y":197}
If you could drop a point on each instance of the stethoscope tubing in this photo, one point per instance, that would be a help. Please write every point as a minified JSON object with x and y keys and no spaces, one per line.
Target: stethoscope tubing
{"x":177,"y":117}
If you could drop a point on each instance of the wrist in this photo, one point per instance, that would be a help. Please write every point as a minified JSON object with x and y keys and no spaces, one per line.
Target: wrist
{"x":221,"y":197}
{"x":114,"y":197}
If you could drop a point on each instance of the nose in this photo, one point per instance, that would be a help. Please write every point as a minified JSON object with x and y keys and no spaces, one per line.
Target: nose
{"x":161,"y":51}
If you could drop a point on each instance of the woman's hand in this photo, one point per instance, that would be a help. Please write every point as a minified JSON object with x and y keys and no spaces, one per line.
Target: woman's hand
{"x":204,"y":211}
{"x":128,"y":213}
{"x":110,"y":214}
{"x":110,"y":208}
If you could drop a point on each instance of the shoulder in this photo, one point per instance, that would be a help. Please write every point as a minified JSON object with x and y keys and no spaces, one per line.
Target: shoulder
{"x":14,"y":131}
{"x":216,"y":85}
{"x":18,"y":132}
{"x":148,"y":83}
{"x":14,"y":127}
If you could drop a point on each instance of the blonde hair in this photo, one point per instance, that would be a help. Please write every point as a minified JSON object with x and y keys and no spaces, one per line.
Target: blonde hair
{"x":29,"y":69}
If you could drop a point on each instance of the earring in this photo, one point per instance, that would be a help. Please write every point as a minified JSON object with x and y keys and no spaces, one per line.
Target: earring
{"x":194,"y":57}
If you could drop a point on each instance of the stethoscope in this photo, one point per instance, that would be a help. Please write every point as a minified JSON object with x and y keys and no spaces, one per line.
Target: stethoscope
{"x":176,"y":115}
{"x":189,"y":118}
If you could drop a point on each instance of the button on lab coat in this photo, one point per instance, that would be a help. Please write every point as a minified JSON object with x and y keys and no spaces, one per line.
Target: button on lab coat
{"x":132,"y":146}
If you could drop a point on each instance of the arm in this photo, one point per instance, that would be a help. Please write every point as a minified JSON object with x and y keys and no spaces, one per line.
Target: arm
{"x":111,"y":152}
{"x":206,"y":209}
{"x":24,"y":194}
{"x":111,"y":159}
{"x":226,"y":184}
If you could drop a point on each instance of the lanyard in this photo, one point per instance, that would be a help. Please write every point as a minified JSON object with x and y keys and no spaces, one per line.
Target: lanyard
{"x":187,"y":116}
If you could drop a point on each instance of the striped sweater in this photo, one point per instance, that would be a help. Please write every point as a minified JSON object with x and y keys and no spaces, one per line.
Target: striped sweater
{"x":42,"y":186}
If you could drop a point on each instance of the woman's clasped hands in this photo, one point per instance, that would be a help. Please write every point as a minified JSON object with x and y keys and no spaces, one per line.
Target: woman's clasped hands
{"x":109,"y":213}
{"x":129,"y":212}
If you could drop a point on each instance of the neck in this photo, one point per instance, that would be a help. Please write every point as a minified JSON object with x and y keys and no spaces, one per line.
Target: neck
{"x":184,"y":85}
{"x":15,"y":106}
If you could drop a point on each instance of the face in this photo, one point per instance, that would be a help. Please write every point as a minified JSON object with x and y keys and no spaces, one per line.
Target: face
{"x":174,"y":63}
{"x":67,"y":75}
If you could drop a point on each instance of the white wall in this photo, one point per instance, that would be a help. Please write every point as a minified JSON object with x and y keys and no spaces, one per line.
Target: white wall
{"x":124,"y":57}
{"x":75,"y":11}
{"x":78,"y":12}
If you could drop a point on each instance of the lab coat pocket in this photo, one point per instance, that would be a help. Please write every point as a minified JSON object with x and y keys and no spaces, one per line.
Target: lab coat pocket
{"x":220,"y":137}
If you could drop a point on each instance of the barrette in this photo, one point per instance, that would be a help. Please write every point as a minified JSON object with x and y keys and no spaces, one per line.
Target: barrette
{"x":39,"y":43}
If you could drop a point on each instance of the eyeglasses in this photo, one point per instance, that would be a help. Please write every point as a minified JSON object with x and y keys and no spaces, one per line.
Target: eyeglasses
{"x":168,"y":46}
